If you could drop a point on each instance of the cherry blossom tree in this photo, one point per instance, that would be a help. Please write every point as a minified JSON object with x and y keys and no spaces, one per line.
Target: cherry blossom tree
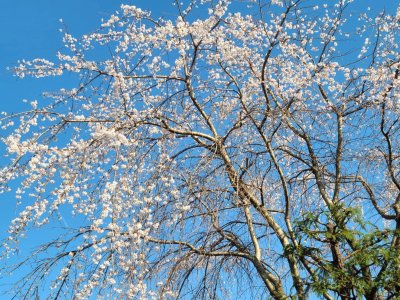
{"x":240,"y":150}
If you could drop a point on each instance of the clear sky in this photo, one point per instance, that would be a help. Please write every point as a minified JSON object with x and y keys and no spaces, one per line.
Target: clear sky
{"x":30,"y":29}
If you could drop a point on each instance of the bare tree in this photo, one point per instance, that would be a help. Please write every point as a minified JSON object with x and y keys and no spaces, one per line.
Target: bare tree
{"x":253,"y":152}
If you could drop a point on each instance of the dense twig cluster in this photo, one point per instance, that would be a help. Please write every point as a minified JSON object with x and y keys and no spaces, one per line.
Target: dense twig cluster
{"x":244,"y":152}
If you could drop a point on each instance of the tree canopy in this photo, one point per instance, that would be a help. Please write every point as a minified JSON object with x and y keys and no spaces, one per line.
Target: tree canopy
{"x":234,"y":150}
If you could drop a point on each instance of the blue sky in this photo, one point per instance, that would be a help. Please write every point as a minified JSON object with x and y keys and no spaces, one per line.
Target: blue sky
{"x":30,"y":29}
